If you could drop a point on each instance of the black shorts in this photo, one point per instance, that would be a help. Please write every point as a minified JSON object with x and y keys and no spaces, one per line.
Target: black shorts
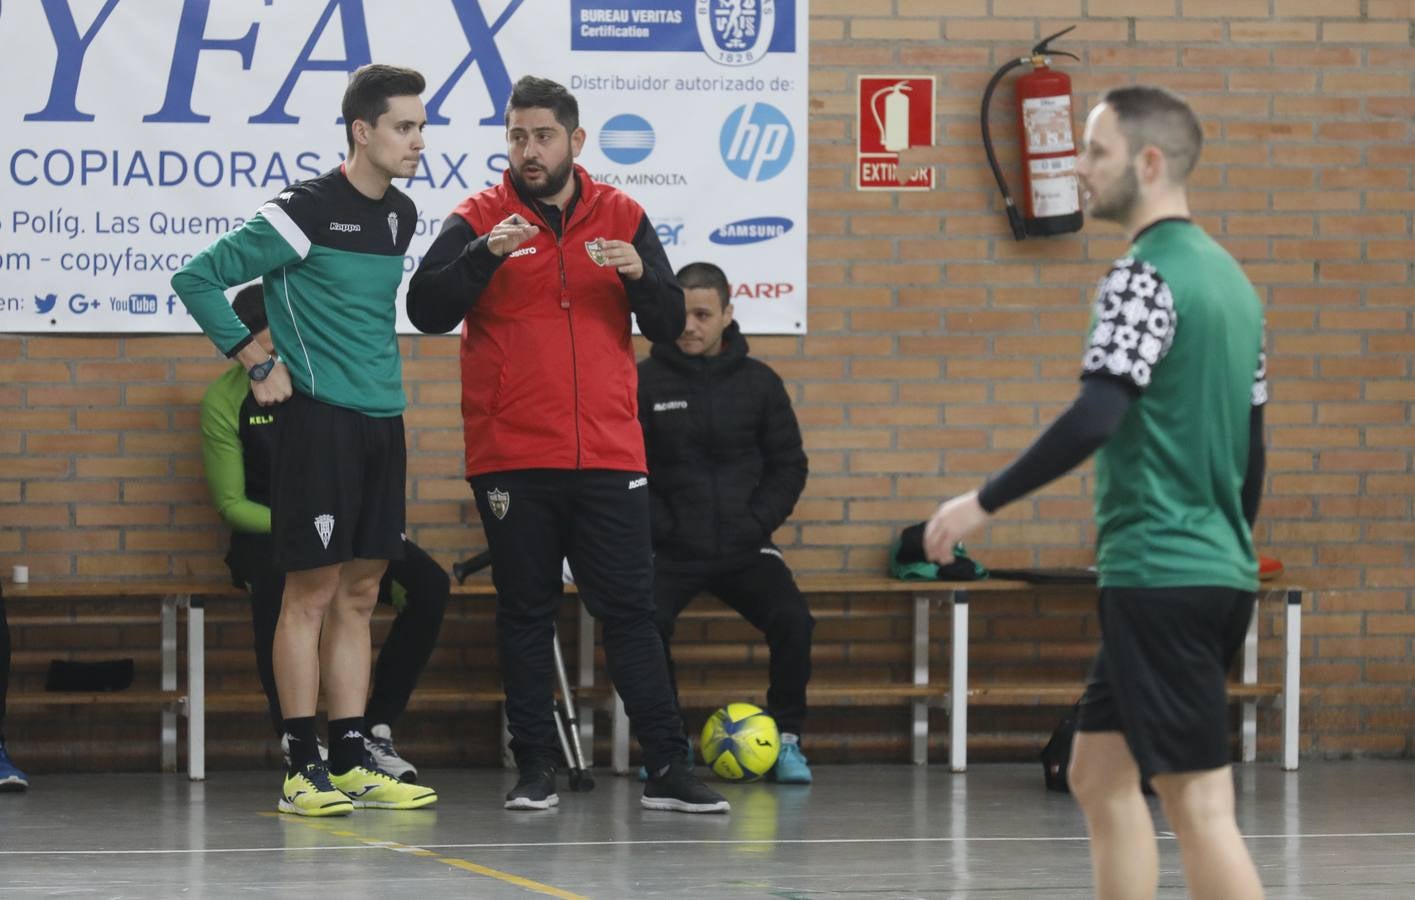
{"x":1161,"y":674}
{"x":336,"y":485}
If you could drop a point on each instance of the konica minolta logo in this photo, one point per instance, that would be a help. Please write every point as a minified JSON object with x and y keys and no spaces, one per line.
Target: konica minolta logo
{"x":751,"y":231}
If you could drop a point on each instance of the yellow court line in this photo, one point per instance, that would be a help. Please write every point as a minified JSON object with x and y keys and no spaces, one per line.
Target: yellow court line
{"x":512,"y":879}
{"x":429,"y":854}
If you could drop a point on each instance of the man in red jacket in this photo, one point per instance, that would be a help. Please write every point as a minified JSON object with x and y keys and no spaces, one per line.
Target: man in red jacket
{"x":543,"y":271}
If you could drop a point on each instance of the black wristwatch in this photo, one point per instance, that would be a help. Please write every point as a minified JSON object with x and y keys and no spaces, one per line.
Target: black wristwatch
{"x":261,"y":371}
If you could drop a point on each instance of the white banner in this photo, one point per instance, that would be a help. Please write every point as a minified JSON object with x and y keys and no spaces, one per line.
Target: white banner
{"x":136,"y":132}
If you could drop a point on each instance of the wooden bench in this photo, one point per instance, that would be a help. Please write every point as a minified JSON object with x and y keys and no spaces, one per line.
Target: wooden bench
{"x":956,"y":695}
{"x":186,"y":699}
{"x":921,"y":693}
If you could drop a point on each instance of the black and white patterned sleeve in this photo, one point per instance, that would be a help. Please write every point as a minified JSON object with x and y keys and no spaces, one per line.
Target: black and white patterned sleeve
{"x":1260,"y":377}
{"x":1134,"y":324}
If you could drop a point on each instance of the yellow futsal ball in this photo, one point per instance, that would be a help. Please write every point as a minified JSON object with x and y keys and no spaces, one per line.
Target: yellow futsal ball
{"x":740,"y":742}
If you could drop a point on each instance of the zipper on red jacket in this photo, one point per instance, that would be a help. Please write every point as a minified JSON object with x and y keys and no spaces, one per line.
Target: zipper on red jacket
{"x":569,"y":322}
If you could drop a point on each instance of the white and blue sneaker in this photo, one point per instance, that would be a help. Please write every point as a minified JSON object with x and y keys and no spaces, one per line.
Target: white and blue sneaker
{"x":791,"y":767}
{"x":12,"y":780}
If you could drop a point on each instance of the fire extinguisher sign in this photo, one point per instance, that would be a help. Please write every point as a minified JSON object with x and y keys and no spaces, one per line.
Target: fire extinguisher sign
{"x":896,"y":113}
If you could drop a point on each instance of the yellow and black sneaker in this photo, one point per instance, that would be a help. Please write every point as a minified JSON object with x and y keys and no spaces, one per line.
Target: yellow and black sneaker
{"x":309,"y":792}
{"x":373,"y":789}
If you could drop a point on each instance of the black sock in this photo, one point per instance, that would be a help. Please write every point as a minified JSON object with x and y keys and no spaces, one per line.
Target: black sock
{"x":346,"y":744}
{"x":304,"y":748}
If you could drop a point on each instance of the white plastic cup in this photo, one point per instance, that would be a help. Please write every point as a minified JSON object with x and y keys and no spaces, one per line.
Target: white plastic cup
{"x":19,"y":574}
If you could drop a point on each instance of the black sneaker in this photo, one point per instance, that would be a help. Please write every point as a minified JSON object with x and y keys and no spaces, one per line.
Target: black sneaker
{"x":535,"y":789}
{"x":679,"y":790}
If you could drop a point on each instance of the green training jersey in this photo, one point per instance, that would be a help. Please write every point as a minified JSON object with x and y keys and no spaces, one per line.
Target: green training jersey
{"x":1179,"y":321}
{"x":331,"y":260}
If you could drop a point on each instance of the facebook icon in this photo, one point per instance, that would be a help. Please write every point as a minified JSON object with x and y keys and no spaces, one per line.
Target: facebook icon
{"x":757,"y":142}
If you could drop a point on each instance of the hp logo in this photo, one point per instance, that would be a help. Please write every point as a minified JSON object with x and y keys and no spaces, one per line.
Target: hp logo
{"x":626,"y":139}
{"x":757,"y":142}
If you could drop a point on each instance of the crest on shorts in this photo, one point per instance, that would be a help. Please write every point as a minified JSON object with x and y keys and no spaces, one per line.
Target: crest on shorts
{"x":393,"y":226}
{"x":595,"y":249}
{"x":500,"y":502}
{"x":324,"y":524}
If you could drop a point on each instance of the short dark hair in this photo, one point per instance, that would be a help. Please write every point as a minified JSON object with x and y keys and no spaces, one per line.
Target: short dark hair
{"x":705,"y":275}
{"x":1150,"y":115}
{"x":369,"y":88}
{"x":532,"y":92}
{"x":249,"y":307}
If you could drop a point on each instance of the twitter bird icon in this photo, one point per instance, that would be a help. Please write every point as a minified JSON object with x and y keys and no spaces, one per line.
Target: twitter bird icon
{"x":43,"y":305}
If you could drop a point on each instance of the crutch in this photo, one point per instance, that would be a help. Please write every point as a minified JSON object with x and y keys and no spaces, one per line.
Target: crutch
{"x":581,"y":779}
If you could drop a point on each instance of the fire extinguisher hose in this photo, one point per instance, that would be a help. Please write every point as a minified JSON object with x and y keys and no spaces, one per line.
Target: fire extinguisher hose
{"x":1014,"y":216}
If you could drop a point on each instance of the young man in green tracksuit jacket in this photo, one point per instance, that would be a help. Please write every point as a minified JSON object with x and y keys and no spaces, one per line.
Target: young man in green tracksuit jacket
{"x":330,"y":251}
{"x":237,"y":442}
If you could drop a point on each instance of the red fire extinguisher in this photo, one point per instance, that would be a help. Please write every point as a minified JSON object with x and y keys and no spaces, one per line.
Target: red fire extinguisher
{"x":1051,"y":196}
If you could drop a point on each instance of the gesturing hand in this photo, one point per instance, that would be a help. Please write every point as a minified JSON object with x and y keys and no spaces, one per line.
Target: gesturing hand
{"x":508,"y":234}
{"x":622,"y":256}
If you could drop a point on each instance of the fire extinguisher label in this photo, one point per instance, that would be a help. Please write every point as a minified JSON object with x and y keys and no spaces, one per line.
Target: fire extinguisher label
{"x":1047,"y":121}
{"x":1055,"y":195}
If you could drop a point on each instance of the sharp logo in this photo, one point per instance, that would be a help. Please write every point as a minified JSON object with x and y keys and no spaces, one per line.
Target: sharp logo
{"x":763,"y":290}
{"x":751,"y":231}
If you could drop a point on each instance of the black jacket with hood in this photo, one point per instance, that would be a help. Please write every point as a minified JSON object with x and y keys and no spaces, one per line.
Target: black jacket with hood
{"x":725,"y":460}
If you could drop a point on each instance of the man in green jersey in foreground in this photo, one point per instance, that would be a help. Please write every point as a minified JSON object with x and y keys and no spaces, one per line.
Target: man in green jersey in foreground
{"x":1172,"y":392}
{"x":330,"y":253}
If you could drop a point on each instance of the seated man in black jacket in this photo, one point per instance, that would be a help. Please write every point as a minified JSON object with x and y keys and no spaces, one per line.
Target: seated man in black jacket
{"x":726,"y":467}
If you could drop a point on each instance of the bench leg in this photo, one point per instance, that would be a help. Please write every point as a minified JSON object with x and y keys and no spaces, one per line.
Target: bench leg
{"x":1250,"y":676}
{"x":196,"y":689}
{"x":169,"y":682}
{"x":586,"y":681}
{"x":921,"y":678}
{"x":619,"y":751}
{"x":1292,"y":681}
{"x":958,"y":686}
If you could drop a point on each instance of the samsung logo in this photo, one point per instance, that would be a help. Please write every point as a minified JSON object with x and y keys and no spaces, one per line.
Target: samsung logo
{"x":751,"y":231}
{"x":666,"y":405}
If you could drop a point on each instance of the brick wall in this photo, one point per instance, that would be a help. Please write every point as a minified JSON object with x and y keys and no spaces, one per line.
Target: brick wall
{"x":938,"y":347}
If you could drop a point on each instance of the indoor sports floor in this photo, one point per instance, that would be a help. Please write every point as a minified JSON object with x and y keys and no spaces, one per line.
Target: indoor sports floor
{"x":1334,"y":829}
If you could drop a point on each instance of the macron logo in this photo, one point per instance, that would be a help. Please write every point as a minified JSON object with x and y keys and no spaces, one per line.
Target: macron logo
{"x":667,"y":405}
{"x":342,"y":226}
{"x":638,"y":483}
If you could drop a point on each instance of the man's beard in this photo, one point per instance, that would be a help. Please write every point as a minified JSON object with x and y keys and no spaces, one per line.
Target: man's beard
{"x":555,"y":180}
{"x":1120,"y":202}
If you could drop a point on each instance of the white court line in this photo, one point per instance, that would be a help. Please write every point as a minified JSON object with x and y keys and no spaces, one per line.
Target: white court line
{"x":1168,"y":836}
